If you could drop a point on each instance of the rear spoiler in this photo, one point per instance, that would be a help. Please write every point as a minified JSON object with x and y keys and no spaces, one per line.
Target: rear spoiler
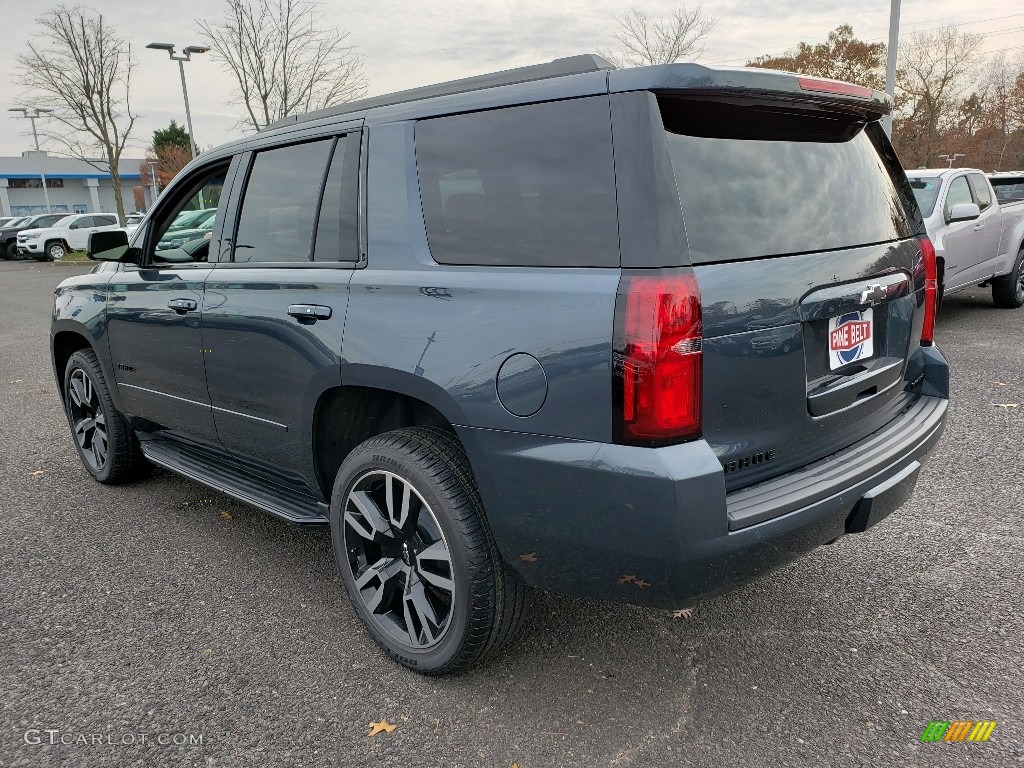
{"x":752,"y":85}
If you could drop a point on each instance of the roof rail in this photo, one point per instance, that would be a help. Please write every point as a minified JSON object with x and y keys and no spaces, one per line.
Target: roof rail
{"x":569,"y":65}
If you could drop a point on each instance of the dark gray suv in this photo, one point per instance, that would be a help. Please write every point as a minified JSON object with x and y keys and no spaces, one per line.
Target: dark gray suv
{"x":637,"y":335}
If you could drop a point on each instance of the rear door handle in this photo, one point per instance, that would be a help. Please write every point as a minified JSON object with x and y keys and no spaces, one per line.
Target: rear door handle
{"x":182,"y":306}
{"x":312,"y":312}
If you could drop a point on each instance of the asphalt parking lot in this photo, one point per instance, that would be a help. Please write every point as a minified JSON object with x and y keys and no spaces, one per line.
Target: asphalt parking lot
{"x":164,"y":609}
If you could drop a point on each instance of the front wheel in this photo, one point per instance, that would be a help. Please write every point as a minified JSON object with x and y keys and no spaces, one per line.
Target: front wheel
{"x":416,"y":553}
{"x":56,"y":251}
{"x":1008,"y":290}
{"x":105,"y":442}
{"x":10,"y":251}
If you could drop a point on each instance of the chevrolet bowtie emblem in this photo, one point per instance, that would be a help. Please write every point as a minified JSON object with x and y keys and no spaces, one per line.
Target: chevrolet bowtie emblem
{"x":873,"y":294}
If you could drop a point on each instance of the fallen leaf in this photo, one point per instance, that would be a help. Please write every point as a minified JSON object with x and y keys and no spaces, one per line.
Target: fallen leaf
{"x":627,"y":580}
{"x":997,"y":383}
{"x":683,"y":613}
{"x":37,"y":472}
{"x":1006,"y":405}
{"x":642,"y":584}
{"x":381,"y":727}
{"x":529,"y":557}
{"x":226,"y":515}
{"x":17,"y":381}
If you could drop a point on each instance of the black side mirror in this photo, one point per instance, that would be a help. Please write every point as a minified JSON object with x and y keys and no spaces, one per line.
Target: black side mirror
{"x":107,"y":245}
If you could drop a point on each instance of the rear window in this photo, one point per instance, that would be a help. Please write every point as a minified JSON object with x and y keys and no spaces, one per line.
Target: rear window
{"x":523,"y":186}
{"x":927,"y":192}
{"x":762,"y":181}
{"x":1008,"y":190}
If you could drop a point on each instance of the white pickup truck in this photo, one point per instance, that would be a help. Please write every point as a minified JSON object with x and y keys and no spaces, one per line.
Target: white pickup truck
{"x":977,"y":231}
{"x":68,"y":234}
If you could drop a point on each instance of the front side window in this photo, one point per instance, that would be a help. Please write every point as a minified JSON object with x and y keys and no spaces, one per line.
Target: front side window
{"x":959,"y":192}
{"x":175,"y":240}
{"x":522,"y":186}
{"x":280,"y":203}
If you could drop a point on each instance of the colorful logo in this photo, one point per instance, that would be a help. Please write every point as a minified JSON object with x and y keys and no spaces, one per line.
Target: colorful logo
{"x":850,"y":333}
{"x":850,"y":338}
{"x":958,"y":730}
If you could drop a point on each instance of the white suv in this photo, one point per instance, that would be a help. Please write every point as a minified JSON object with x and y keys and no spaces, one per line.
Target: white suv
{"x":68,"y":234}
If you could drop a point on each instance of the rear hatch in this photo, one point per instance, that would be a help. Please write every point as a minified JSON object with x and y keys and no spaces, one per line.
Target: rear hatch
{"x":803,"y":242}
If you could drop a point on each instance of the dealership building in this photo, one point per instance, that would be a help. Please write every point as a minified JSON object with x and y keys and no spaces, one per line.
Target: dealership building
{"x":74,"y":186}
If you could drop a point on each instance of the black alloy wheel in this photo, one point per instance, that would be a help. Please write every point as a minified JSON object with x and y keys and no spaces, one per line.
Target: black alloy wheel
{"x":416,"y":552}
{"x":106,"y":444}
{"x":88,"y":420}
{"x":399,"y":559}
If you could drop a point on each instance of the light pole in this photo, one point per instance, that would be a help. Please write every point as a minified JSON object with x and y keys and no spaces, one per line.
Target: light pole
{"x":188,"y":51}
{"x":152,"y":182}
{"x":36,"y":112}
{"x":952,"y":158}
{"x":890,"y":63}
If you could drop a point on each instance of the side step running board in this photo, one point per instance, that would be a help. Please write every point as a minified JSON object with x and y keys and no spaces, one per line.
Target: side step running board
{"x":194,"y":465}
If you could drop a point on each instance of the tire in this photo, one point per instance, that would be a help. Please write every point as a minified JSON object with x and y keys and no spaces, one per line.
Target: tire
{"x":106,"y":444}
{"x":1008,"y":290}
{"x":10,"y":250}
{"x":55,"y":250}
{"x":425,"y":577}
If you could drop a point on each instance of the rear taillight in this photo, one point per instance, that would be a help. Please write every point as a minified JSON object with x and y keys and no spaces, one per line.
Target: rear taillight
{"x":658,"y":358}
{"x":931,"y":291}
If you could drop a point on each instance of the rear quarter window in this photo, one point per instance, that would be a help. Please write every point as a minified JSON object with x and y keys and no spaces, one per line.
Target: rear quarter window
{"x":764,"y":181}
{"x":523,"y":186}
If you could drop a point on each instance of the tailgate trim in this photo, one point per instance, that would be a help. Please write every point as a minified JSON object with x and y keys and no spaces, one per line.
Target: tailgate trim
{"x":903,"y":438}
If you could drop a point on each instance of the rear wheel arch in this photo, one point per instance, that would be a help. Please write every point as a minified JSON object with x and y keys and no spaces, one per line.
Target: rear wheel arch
{"x":346,"y":416}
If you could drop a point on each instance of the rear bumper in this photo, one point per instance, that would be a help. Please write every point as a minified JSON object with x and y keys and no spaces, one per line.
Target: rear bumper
{"x":656,"y":527}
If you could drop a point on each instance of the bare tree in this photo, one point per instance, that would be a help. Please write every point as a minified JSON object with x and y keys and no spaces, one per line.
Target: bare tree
{"x":282,"y":60}
{"x":935,"y":69}
{"x":82,"y":70}
{"x":1002,"y":82}
{"x":644,"y":40}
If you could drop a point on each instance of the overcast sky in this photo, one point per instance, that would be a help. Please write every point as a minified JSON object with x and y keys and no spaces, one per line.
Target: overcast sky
{"x":405,"y":44}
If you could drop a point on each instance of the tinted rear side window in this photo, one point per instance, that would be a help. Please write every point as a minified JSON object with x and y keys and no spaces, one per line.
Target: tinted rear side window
{"x":531,"y":186}
{"x":280,"y":202}
{"x":337,"y":238}
{"x":758,"y":181}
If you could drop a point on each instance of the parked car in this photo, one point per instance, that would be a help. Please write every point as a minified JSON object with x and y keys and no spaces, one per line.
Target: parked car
{"x":461,"y":326}
{"x":70,"y":233}
{"x":175,"y":238}
{"x":978,"y":234}
{"x":132,"y":221}
{"x":193,"y":219}
{"x":9,"y":233}
{"x":5,"y":220}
